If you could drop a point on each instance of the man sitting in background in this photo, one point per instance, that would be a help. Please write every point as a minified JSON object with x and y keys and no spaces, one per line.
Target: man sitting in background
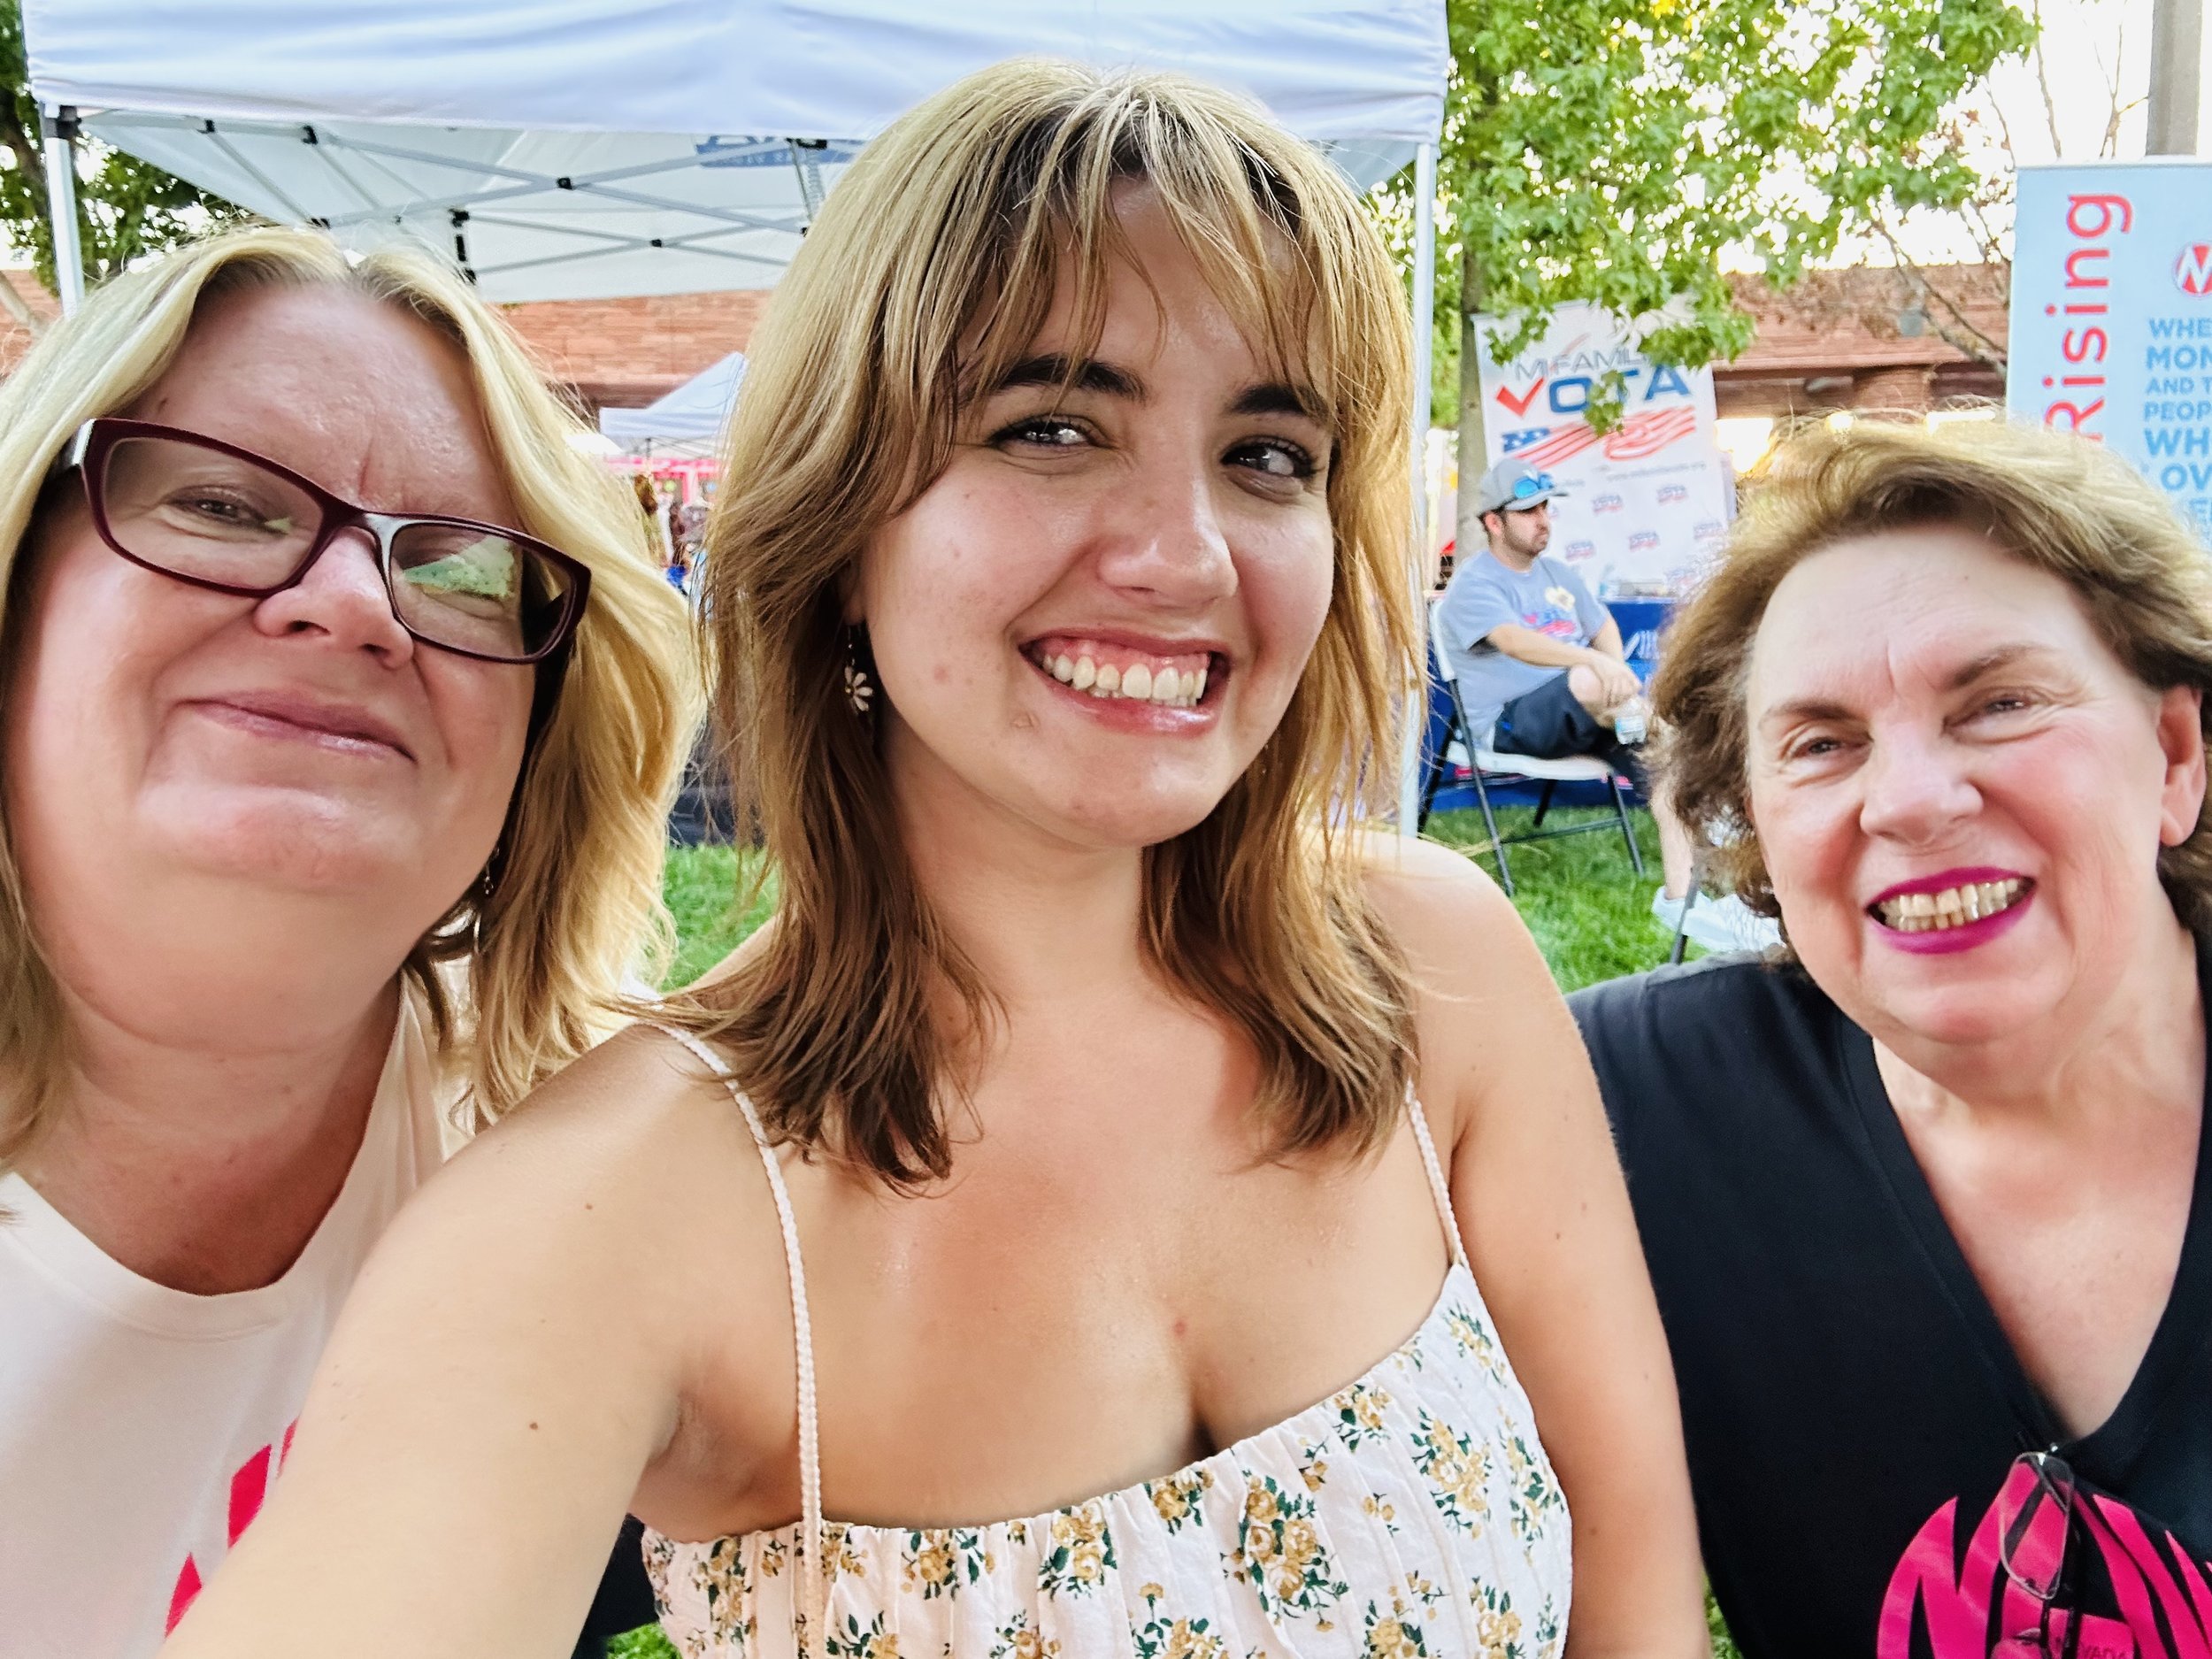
{"x":1541,"y":671}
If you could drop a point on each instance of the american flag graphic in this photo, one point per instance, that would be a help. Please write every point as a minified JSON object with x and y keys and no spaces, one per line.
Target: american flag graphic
{"x":1566,"y":441}
{"x":1638,"y":436}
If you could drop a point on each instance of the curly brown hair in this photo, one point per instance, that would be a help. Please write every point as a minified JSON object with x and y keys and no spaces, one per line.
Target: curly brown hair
{"x":2057,"y":502}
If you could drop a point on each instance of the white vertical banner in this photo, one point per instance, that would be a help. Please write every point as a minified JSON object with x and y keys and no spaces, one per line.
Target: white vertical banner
{"x":2112,"y":316}
{"x":1647,"y":504}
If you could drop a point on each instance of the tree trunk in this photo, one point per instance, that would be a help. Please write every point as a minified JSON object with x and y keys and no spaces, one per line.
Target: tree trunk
{"x":1474,"y":454}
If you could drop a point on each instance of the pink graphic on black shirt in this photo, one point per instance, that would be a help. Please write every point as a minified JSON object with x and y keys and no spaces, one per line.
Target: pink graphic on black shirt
{"x":248,"y":1491}
{"x":2165,"y":1602}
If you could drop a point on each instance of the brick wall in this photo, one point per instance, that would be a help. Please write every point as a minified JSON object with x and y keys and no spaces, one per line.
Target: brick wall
{"x":1866,"y":337}
{"x":624,"y":353}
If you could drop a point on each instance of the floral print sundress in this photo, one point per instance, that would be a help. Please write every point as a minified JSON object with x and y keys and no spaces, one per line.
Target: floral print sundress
{"x":1411,"y":1512}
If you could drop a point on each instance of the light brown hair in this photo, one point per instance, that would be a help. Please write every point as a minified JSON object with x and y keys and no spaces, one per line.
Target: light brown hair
{"x":928,"y":274}
{"x":524,"y":980}
{"x":2057,"y":502}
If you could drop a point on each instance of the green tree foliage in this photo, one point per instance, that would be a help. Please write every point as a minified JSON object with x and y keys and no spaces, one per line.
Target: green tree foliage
{"x":126,"y":207}
{"x":1627,"y":152}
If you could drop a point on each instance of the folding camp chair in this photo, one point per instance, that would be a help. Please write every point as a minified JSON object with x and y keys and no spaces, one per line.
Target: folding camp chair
{"x":1491,"y":765}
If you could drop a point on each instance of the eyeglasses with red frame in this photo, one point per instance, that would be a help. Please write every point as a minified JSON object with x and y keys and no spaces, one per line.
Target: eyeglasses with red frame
{"x":216,"y":515}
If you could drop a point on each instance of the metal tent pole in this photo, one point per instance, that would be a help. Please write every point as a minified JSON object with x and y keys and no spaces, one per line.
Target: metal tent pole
{"x":1417,"y":559}
{"x":61,"y":203}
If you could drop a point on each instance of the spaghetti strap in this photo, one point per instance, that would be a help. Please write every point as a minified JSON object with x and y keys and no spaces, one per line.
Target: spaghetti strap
{"x":1439,"y":1187}
{"x":813,"y":1613}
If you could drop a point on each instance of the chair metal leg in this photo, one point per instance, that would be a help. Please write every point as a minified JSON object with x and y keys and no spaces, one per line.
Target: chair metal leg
{"x":1681,"y":938}
{"x":1628,"y":830}
{"x":1682,"y":922}
{"x":1435,"y":780}
{"x":1497,"y":842}
{"x":1543,"y":804}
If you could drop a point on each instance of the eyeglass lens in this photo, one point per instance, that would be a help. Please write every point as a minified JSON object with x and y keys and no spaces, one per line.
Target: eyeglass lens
{"x":2035,"y":1522}
{"x":199,"y":513}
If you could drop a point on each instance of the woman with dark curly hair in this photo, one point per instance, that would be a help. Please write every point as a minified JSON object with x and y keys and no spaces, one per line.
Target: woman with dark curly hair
{"x":1923,"y":1194}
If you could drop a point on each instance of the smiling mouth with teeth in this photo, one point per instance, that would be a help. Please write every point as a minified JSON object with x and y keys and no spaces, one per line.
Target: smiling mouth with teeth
{"x":1176,"y":682}
{"x":1953,"y":907}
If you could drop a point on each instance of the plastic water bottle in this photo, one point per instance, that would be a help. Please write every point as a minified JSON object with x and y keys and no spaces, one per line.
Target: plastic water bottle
{"x":1629,"y":726}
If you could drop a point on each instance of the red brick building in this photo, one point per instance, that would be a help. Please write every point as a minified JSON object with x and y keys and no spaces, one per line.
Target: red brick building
{"x":1869,"y":339}
{"x":622,"y":354}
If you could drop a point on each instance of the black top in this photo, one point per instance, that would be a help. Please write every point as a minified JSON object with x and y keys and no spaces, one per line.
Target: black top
{"x":1851,"y":1404}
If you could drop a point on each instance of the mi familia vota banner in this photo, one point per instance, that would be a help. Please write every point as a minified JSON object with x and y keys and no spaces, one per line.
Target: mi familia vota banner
{"x":2112,"y":316}
{"x":1647,"y":504}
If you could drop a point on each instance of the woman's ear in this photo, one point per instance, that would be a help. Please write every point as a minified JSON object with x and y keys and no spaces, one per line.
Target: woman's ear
{"x":2181,"y":738}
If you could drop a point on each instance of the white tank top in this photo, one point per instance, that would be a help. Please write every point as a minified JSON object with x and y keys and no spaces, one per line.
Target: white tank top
{"x":1411,"y":1512}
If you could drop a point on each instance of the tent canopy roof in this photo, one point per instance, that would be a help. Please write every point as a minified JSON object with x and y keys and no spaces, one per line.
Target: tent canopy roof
{"x":694,"y":410}
{"x":609,"y":147}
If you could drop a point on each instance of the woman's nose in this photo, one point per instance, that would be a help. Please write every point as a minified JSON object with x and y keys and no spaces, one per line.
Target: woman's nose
{"x":342,"y":597}
{"x":1915,"y":785}
{"x":1167,"y":540}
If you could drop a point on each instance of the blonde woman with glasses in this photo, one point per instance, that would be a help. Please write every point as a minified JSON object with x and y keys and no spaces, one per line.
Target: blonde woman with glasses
{"x":1059,"y":1230}
{"x":341,"y":706}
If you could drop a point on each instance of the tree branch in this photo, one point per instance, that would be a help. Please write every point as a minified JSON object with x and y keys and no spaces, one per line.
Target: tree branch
{"x":2043,"y":80}
{"x":1960,"y":333}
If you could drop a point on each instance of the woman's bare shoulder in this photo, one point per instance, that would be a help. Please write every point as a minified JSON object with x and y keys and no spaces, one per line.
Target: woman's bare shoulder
{"x":1442,"y":909}
{"x":641,"y":1090}
{"x":1485,"y":1008}
{"x":638,"y":1128}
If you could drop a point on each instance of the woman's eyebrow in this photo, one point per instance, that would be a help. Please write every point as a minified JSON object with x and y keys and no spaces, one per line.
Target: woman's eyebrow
{"x":1985,"y":663}
{"x":2003,"y":656}
{"x":1052,"y":368}
{"x":1055,"y":369}
{"x":1802,"y":709}
{"x":1277,"y":398}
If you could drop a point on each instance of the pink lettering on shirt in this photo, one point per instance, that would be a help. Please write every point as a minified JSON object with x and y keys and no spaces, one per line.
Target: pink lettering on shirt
{"x":248,"y":1491}
{"x":2165,"y":1600}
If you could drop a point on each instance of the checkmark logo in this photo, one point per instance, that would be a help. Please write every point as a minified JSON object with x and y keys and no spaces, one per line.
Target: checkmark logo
{"x":1519,"y":405}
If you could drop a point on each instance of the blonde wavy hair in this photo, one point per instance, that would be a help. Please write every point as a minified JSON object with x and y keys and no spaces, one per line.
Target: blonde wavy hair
{"x":2056,"y":502}
{"x":523,"y":981}
{"x":926,"y":276}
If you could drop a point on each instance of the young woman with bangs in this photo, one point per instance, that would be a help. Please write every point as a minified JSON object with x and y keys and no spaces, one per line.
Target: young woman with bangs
{"x":1105,"y":1132}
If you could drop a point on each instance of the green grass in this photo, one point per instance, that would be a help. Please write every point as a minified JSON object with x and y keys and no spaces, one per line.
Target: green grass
{"x":707,"y":889}
{"x":1591,"y":916}
{"x":1590,"y":912}
{"x":643,"y":1644}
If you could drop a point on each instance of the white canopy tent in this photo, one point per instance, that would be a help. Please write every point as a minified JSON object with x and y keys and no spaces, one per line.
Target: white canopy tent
{"x":601,"y":147}
{"x":620,"y":146}
{"x":693,"y":414}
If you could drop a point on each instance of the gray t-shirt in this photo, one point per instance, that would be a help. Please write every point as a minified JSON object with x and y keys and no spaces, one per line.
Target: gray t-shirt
{"x":1547,"y":598}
